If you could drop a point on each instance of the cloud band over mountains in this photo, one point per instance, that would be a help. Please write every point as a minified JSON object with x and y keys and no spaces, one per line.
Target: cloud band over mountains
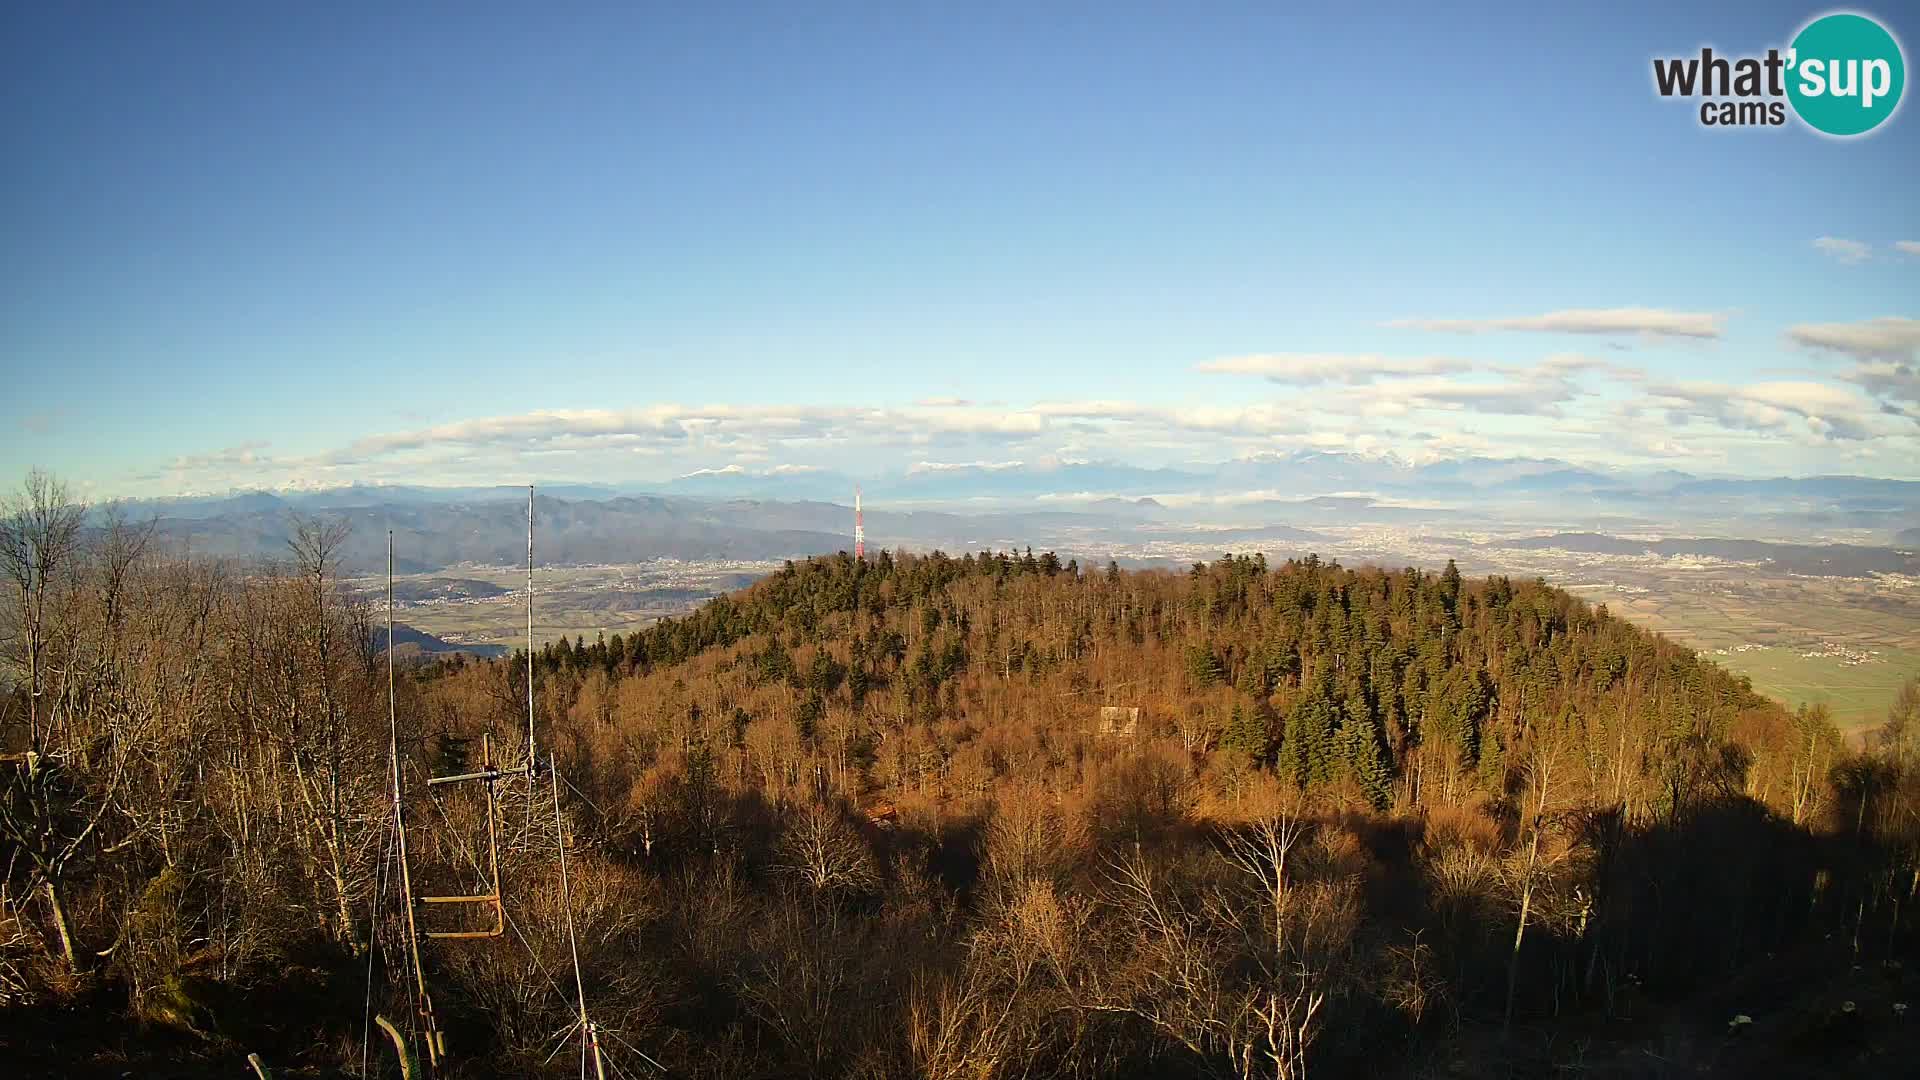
{"x":1865,"y":403}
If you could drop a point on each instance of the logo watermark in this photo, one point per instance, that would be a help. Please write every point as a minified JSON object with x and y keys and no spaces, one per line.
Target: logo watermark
{"x":1842,"y":75}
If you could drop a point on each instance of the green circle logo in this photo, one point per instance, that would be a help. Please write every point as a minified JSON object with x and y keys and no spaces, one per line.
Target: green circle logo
{"x":1845,"y":74}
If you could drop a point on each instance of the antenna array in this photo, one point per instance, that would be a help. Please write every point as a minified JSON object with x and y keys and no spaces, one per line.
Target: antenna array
{"x":489,"y":776}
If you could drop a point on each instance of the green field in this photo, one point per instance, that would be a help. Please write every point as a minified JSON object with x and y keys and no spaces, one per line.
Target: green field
{"x":474,"y":625}
{"x":1858,"y":695}
{"x":1781,"y":619}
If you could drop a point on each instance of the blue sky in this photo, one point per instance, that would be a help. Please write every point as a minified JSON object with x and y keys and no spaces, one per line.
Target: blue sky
{"x":494,"y":243}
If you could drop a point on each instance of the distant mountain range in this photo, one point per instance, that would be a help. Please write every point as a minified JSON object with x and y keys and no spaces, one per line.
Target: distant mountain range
{"x":1087,"y":507}
{"x":1113,"y":487}
{"x":1329,"y":470}
{"x":433,"y":535}
{"x":1288,"y":486}
{"x":347,"y":497}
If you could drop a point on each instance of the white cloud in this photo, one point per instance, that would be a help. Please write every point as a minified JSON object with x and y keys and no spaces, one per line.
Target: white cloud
{"x":1513,"y":397}
{"x":1565,"y":364}
{"x":1103,"y":410}
{"x":1846,"y":251}
{"x":244,"y":456}
{"x":1258,"y":419}
{"x":1815,"y":410}
{"x":1541,"y":389}
{"x":1652,"y":322}
{"x":962,"y":466}
{"x":1895,"y":383}
{"x":1372,"y":386}
{"x":1884,"y":358}
{"x":1908,"y":247}
{"x":687,"y":429}
{"x":1888,"y":338}
{"x":1658,"y":447}
{"x":1307,"y":369}
{"x":717,"y":440}
{"x":1134,"y":420}
{"x":1567,"y":404}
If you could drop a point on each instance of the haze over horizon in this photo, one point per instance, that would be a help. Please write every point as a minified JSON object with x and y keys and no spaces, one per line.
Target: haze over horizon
{"x":353,"y":245}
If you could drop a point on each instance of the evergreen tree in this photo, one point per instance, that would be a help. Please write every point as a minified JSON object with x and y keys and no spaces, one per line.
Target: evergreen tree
{"x":1493,"y":764}
{"x":1253,"y":680}
{"x":1248,"y":732}
{"x":812,"y":708}
{"x":1361,"y":753}
{"x":1307,"y":748}
{"x":824,"y":674}
{"x":1203,"y":667}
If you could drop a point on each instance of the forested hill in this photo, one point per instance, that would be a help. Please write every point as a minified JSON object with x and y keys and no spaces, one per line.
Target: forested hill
{"x":961,"y":819}
{"x":1362,"y":818}
{"x":1385,"y":682}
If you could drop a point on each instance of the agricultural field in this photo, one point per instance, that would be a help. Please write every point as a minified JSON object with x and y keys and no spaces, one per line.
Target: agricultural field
{"x":1845,"y":643}
{"x":1858,"y":694}
{"x":486,"y":605}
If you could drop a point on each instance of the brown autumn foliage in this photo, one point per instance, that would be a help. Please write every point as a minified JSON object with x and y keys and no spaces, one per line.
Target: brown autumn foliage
{"x":863,"y":819}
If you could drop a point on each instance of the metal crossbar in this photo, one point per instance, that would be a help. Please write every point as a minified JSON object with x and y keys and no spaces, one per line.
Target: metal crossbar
{"x":483,"y":774}
{"x":488,"y":774}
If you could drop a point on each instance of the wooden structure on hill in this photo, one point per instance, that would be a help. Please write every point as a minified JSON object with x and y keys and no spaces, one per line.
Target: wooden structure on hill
{"x":1118,"y":722}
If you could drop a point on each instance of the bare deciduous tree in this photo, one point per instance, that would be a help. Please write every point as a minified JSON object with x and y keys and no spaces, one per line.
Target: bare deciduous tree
{"x":39,"y":535}
{"x":819,"y":848}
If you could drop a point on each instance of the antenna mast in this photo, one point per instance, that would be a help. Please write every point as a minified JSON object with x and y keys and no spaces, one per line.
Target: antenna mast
{"x":859,"y":527}
{"x":531,"y":767}
{"x":489,"y":774}
{"x":431,"y":1030}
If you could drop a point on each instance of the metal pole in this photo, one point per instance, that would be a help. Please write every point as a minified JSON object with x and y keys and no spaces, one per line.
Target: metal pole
{"x":593,"y":1047}
{"x":493,"y":834}
{"x":587,"y":1030}
{"x":530,"y":751}
{"x":400,"y":827}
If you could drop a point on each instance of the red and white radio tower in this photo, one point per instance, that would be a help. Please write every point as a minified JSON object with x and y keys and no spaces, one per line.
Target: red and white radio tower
{"x":859,"y":528}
